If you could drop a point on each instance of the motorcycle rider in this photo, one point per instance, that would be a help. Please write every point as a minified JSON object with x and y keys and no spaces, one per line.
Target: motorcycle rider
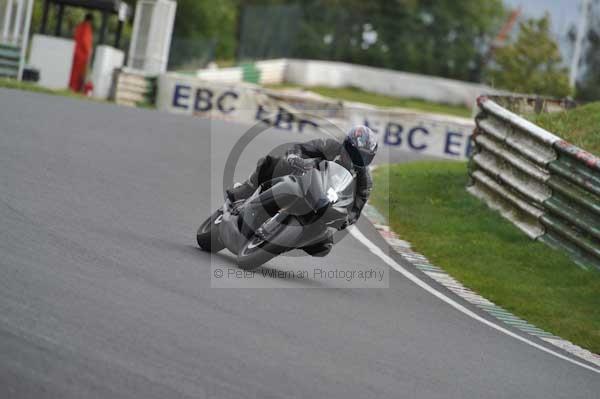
{"x":355,"y":153}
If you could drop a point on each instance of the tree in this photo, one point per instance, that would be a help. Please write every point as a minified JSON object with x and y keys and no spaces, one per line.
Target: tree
{"x":202,"y":21}
{"x":444,"y":38}
{"x":588,"y":86}
{"x":532,"y":64}
{"x":436,"y":37}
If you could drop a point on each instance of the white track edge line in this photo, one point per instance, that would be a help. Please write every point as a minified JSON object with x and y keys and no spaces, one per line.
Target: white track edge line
{"x":356,"y":233}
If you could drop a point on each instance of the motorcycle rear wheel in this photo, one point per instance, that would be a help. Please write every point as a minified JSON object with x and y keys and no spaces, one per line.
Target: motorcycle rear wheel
{"x":207,"y":236}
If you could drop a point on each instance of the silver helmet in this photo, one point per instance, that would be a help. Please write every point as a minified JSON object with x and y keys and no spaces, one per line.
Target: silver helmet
{"x":361,"y":145}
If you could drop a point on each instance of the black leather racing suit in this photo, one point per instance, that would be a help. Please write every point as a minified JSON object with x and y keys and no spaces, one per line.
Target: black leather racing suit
{"x":324,"y":149}
{"x":333,"y":150}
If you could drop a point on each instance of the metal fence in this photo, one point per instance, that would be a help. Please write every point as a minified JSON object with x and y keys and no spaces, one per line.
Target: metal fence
{"x":15,"y":20}
{"x":547,"y":187}
{"x":9,"y":61}
{"x":268,"y":31}
{"x":190,"y":54}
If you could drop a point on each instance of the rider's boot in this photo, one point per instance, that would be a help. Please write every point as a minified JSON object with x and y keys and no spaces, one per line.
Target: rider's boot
{"x":319,"y":250}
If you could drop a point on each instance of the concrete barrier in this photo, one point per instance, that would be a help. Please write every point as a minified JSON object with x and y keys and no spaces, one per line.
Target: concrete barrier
{"x":339,"y":74}
{"x":383,"y":81}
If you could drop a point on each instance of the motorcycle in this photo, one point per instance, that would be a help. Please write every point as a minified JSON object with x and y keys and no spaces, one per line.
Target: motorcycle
{"x":285,"y":213}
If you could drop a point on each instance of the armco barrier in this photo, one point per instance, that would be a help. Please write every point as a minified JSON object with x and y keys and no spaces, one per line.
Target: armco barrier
{"x":547,"y":187}
{"x":133,"y":88}
{"x":9,"y":60}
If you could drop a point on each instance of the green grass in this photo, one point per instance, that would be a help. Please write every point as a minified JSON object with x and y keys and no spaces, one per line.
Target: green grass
{"x":28,"y":86}
{"x":427,"y":204}
{"x":579,"y":126}
{"x":358,"y":95}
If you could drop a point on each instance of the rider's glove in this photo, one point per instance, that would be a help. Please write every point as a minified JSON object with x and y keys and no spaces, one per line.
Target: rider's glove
{"x":298,"y":164}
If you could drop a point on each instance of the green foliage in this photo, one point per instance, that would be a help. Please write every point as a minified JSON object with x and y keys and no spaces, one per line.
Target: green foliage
{"x":268,"y":31}
{"x":208,"y":19}
{"x":532,"y":64}
{"x":71,"y":17}
{"x":427,"y":204}
{"x":443,"y":38}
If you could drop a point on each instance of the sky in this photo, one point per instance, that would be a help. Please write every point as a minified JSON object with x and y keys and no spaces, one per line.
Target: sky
{"x":564,"y":14}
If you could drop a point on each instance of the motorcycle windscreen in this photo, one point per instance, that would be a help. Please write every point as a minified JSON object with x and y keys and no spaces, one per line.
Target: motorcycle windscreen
{"x":338,"y":183}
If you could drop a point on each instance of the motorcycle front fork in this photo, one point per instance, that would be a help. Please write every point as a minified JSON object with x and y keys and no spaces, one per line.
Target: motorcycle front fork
{"x":271,"y":224}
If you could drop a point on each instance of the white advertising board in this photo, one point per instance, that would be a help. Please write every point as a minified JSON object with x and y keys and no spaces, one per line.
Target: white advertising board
{"x":402,"y":130}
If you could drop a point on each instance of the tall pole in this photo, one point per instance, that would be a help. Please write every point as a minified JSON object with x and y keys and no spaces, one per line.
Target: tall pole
{"x":581,"y":28}
{"x":7,"y":18}
{"x":25,"y":38}
{"x":103,"y":27}
{"x":45,"y":17}
{"x":133,"y":58}
{"x":17,"y":23}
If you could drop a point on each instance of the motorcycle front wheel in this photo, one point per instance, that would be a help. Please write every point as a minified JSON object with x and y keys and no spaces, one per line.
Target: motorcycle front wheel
{"x":257,"y":251}
{"x":207,"y":236}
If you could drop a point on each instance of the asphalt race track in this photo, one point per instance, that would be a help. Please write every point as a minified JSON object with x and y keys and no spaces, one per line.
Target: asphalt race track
{"x":103,"y":293}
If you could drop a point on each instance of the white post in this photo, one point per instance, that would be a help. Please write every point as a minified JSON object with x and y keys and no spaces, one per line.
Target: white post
{"x":25,"y":38}
{"x":16,"y":35}
{"x":150,"y":43}
{"x":134,"y":35}
{"x":167,"y":45}
{"x":585,"y":5}
{"x":7,"y":18}
{"x":156,"y":54}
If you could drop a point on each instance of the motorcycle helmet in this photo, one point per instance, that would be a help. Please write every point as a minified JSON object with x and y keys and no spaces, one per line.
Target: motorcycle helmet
{"x":361,"y":145}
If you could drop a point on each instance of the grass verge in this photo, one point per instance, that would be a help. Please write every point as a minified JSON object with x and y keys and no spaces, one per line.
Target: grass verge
{"x":427,"y":204}
{"x":579,"y":126}
{"x":28,"y":86}
{"x":358,"y":95}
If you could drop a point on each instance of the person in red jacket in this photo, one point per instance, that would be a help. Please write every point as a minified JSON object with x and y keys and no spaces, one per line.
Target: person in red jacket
{"x":84,"y":39}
